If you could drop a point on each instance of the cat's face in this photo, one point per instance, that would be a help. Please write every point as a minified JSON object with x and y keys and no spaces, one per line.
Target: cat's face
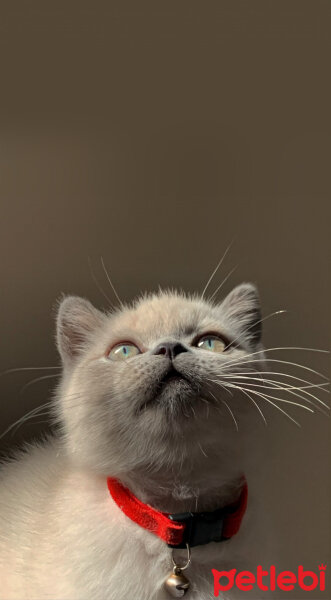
{"x":151,"y":384}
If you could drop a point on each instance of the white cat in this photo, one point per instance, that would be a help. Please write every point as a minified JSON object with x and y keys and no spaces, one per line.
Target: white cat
{"x":149,"y":396}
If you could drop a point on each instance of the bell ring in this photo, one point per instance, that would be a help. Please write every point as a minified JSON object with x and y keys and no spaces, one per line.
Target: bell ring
{"x":177,"y":584}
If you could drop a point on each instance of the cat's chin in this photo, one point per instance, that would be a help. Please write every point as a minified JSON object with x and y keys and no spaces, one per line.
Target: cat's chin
{"x":172,"y":389}
{"x":175,"y":397}
{"x":177,"y":390}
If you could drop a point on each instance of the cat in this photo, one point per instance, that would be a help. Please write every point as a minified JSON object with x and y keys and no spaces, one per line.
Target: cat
{"x":148,"y":396}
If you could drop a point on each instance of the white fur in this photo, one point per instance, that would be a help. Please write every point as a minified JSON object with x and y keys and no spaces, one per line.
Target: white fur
{"x":61,"y":535}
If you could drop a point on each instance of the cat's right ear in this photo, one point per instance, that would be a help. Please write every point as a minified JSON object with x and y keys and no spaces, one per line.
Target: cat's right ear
{"x":77,"y":320}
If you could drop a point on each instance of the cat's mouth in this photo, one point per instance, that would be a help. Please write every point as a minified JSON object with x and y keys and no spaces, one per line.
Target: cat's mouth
{"x":172,"y":384}
{"x":172,"y":376}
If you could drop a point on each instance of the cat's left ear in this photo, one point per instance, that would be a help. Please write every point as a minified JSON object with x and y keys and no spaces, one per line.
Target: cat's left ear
{"x":243,"y":311}
{"x":77,"y":321}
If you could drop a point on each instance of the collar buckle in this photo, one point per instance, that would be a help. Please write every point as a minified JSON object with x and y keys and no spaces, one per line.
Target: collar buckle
{"x":200,"y":528}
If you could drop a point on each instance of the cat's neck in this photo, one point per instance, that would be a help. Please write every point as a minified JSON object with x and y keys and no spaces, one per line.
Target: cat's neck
{"x":193,"y":492}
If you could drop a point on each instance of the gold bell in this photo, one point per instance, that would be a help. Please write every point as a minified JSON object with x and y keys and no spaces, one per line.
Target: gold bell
{"x":177,"y":584}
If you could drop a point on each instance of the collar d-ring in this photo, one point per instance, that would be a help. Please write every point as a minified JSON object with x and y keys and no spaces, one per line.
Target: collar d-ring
{"x":188,"y":560}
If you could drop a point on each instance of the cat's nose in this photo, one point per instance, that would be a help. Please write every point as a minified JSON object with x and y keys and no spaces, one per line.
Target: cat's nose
{"x":170,"y":349}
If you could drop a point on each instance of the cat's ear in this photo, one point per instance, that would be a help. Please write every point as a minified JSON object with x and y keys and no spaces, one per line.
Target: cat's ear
{"x":243,"y":311}
{"x":77,"y":320}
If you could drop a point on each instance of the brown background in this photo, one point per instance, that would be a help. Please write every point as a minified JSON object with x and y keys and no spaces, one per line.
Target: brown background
{"x":153,"y":134}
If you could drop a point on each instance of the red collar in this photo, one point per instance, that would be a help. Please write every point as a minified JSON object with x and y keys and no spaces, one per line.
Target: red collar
{"x":177,"y":530}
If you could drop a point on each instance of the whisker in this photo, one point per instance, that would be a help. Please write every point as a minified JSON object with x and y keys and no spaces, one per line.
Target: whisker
{"x":18,"y":369}
{"x":51,"y":408}
{"x":257,"y":406}
{"x":231,"y":413}
{"x":277,"y":312}
{"x":229,"y":409}
{"x":223,"y":282}
{"x":290,"y":348}
{"x":291,"y":389}
{"x":228,"y":391}
{"x":283,"y":362}
{"x":215,"y":270}
{"x":279,"y":385}
{"x":207,"y":403}
{"x":110,"y":282}
{"x":38,"y":423}
{"x":37,"y":414}
{"x":202,"y":450}
{"x":284,"y":386}
{"x":263,"y":395}
{"x":25,"y":417}
{"x":295,"y":389}
{"x":193,"y":411}
{"x":101,"y":290}
{"x":247,"y":394}
{"x":309,"y":385}
{"x":36,"y":381}
{"x":229,"y":375}
{"x":268,"y":399}
{"x":268,"y":396}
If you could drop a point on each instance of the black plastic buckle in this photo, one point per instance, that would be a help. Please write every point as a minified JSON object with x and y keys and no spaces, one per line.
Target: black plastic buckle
{"x":200,"y":528}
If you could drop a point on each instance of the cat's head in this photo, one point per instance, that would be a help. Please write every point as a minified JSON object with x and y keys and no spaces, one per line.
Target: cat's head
{"x":153,"y":385}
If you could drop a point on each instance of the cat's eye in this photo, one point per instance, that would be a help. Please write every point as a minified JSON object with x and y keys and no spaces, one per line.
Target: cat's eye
{"x":211,"y":343}
{"x":123,"y":351}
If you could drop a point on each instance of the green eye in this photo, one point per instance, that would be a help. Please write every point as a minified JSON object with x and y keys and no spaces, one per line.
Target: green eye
{"x":211,"y":343}
{"x":123,"y":351}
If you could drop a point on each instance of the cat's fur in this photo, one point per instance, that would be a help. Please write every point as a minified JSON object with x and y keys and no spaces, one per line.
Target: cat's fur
{"x":175,"y":446}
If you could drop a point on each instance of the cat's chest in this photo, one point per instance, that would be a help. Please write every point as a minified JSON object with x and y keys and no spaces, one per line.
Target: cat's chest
{"x":82,"y":546}
{"x":114,"y":558}
{"x":132,"y":563}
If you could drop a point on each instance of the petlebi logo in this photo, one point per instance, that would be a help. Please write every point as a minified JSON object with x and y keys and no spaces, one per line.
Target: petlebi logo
{"x":267,"y":580}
